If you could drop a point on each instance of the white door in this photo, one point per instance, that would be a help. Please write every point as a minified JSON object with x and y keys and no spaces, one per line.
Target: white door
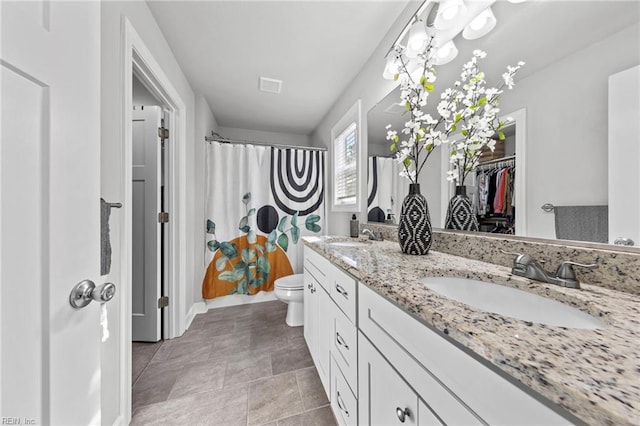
{"x":146,"y":228}
{"x":624,"y":157}
{"x":50,"y":217}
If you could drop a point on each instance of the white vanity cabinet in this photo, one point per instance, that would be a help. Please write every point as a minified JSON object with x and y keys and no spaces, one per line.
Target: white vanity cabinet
{"x":331,"y":334}
{"x":317,"y":328}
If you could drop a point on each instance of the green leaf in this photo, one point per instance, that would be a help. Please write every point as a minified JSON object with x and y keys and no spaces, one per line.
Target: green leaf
{"x":272,"y":237}
{"x":238,"y":272}
{"x":251,"y":237}
{"x":465,"y":132}
{"x":263,"y":264}
{"x":392,"y":147}
{"x":453,"y":128}
{"x":407,"y":162}
{"x":501,"y":136}
{"x":407,"y":106}
{"x":242,"y":285}
{"x":259,"y":281}
{"x":259,"y":248}
{"x":227,"y":276}
{"x":312,"y":218}
{"x":246,"y":198}
{"x":429,"y":87}
{"x":500,"y":125}
{"x":213,"y":245}
{"x":395,"y":77}
{"x":457,"y":118}
{"x":221,"y":263}
{"x":295,"y":234}
{"x":283,"y":222}
{"x":229,"y":249}
{"x":423,"y":80}
{"x":270,"y":247}
{"x":211,"y":227}
{"x":243,"y":223}
{"x":294,"y":219}
{"x":248,"y":255}
{"x":251,"y":212}
{"x":482,"y":101}
{"x":313,"y":227}
{"x":283,"y":241}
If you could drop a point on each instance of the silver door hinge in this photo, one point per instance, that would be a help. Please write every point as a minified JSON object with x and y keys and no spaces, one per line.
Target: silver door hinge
{"x":163,"y":133}
{"x":163,"y":217}
{"x":163,"y":302}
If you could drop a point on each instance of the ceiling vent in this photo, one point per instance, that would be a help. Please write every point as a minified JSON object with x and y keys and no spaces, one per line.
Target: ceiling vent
{"x":270,"y":85}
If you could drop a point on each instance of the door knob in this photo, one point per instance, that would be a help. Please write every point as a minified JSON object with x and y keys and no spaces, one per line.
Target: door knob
{"x":86,"y":291}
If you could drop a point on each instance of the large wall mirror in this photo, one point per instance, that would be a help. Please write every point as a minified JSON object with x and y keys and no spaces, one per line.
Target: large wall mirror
{"x":562,"y":126}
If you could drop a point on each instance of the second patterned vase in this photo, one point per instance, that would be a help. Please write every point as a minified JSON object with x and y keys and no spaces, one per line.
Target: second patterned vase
{"x":460,"y":214}
{"x":414,"y":227}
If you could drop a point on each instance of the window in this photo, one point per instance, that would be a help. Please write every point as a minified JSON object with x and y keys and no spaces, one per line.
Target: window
{"x":346,"y":137}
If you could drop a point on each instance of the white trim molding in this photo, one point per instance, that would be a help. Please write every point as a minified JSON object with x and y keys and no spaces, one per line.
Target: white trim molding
{"x":353,"y":114}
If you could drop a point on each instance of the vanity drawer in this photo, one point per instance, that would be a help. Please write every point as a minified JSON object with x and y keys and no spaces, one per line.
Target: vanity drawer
{"x":344,"y":347}
{"x":342,"y":288}
{"x":456,"y":386}
{"x":343,"y":402}
{"x":317,"y":265}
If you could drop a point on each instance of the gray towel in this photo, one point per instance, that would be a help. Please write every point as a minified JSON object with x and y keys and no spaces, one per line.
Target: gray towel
{"x":105,"y":242}
{"x":582,"y":223}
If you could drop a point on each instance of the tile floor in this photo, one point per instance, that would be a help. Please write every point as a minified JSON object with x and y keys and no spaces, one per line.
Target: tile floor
{"x":240,"y":365}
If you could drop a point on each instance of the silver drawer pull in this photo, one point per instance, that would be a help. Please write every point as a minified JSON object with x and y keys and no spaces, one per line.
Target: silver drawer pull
{"x":341,"y":290}
{"x":341,"y":403}
{"x":341,"y":341}
{"x":402,"y":414}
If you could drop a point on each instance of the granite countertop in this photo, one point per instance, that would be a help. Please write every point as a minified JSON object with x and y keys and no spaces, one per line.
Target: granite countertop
{"x":594,"y":374}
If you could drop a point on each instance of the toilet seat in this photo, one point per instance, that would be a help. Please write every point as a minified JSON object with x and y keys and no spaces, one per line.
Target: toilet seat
{"x":290,"y":282}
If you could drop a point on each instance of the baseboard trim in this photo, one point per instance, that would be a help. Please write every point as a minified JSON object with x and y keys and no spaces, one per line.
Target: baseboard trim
{"x":195,"y":309}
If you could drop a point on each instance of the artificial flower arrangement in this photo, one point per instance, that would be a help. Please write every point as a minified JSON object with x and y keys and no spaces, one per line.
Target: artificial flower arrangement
{"x":468,"y":106}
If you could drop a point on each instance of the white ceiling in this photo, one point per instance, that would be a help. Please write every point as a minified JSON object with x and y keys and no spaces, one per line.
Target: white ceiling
{"x":315,"y":47}
{"x":538,"y":32}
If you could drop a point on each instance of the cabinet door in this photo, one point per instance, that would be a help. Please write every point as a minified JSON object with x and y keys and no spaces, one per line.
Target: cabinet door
{"x":324,"y":336}
{"x":384,"y":397}
{"x":310,"y":308}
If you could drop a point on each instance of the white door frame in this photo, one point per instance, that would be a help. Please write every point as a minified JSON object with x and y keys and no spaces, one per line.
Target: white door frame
{"x":137,"y":57}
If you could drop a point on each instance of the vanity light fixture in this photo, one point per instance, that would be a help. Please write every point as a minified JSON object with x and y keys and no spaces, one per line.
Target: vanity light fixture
{"x":481,"y":25}
{"x":418,"y":38}
{"x":449,"y":13}
{"x":446,"y":53}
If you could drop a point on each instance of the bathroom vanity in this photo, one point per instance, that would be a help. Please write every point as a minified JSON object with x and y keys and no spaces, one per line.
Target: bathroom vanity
{"x":389,"y":350}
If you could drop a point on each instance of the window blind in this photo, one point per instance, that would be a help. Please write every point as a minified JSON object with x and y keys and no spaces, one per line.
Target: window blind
{"x":345,"y":152}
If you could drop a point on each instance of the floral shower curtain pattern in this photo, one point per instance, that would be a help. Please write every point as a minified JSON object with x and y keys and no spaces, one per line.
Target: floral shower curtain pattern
{"x":386,"y":188}
{"x":260,"y":202}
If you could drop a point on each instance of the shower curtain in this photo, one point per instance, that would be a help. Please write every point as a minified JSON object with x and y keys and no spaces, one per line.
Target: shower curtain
{"x":260,"y":201}
{"x":386,"y":188}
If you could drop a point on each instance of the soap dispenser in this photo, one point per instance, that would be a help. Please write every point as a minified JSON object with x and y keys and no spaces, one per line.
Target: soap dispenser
{"x":354,"y":227}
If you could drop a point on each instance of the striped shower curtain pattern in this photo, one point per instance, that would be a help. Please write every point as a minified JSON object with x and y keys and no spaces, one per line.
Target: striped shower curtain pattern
{"x":260,"y":201}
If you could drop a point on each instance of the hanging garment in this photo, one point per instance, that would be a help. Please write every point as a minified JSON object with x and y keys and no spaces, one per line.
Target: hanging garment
{"x":498,"y":198}
{"x":493,"y":179}
{"x":259,"y":202}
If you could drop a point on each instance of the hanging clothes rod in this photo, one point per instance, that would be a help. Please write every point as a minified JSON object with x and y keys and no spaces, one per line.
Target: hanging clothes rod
{"x":215,"y":137}
{"x":505,"y":161}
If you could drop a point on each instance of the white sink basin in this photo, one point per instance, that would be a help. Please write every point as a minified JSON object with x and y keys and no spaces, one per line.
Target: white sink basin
{"x":511,"y":302}
{"x":349,"y":244}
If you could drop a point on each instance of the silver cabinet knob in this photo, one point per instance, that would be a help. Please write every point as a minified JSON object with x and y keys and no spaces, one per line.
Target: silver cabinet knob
{"x":86,"y":291}
{"x":402,"y":414}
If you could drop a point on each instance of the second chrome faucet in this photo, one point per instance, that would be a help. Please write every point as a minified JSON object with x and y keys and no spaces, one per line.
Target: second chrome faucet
{"x":526,"y":266}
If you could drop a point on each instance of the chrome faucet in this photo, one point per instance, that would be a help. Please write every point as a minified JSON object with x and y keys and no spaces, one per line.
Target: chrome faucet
{"x":526,"y":266}
{"x":375,"y":236}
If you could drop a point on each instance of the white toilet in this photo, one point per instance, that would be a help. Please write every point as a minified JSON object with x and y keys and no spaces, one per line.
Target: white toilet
{"x":290,"y":289}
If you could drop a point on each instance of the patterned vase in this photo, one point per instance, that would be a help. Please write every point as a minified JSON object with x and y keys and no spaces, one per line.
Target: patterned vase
{"x":414,"y":228}
{"x":460,"y":214}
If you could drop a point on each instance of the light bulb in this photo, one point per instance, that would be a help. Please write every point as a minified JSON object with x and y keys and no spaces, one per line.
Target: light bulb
{"x":481,"y":25}
{"x":449,"y":12}
{"x":446,"y":53}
